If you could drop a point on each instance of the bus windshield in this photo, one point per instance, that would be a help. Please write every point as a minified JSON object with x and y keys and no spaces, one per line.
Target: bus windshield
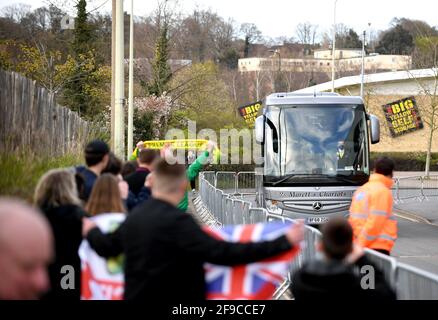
{"x":329,"y":142}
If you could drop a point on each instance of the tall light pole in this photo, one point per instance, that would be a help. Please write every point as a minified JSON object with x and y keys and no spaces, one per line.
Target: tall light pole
{"x":276,"y":51}
{"x":334,"y":47}
{"x":369,"y":36}
{"x":131,"y":85}
{"x":113,"y":59}
{"x":362,"y":78}
{"x":119,"y":86}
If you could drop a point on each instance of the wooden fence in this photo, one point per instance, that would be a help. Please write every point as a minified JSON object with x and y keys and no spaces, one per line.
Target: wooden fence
{"x":31,"y":119}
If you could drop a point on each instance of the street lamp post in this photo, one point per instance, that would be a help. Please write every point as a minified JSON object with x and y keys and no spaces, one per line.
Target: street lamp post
{"x":119,"y":79}
{"x":131,"y":85}
{"x":113,"y":64}
{"x":334,"y":47}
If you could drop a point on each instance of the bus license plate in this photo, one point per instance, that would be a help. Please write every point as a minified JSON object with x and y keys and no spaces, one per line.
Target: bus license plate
{"x":316,"y":220}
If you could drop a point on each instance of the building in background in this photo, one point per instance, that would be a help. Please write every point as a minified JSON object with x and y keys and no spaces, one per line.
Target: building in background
{"x":346,"y":60}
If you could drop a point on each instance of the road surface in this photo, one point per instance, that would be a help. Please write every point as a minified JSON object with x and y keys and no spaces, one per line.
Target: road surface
{"x":417,"y":244}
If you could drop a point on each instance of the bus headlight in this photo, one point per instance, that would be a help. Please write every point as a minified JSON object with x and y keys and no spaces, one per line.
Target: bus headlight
{"x":272,"y":207}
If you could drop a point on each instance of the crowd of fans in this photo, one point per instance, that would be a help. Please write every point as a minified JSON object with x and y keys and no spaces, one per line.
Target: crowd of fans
{"x":164,"y":248}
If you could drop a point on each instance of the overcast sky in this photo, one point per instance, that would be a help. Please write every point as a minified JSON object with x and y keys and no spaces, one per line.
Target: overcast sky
{"x":279,"y":17}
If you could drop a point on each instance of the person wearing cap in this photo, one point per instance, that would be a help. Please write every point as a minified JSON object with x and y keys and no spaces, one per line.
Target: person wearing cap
{"x":96,"y":159}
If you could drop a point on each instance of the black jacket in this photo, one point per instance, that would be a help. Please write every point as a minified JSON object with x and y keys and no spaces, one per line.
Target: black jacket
{"x":136,"y":180}
{"x":321,"y":280}
{"x":165,"y":250}
{"x":135,"y":200}
{"x":89,"y":179}
{"x":66,"y":224}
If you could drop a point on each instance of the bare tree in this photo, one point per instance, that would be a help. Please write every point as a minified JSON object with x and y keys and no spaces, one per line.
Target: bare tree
{"x":427,"y":59}
{"x":297,"y":80}
{"x":16,"y":11}
{"x":251,"y":34}
{"x":69,"y":6}
{"x":42,"y":18}
{"x":203,"y":35}
{"x":250,"y":31}
{"x":425,"y":54}
{"x":259,"y":82}
{"x":306,"y":33}
{"x":341,"y":33}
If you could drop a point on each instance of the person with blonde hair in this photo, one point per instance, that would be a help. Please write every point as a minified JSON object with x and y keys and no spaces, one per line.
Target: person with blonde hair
{"x":102,"y":279}
{"x":56,"y":196}
{"x":106,"y":196}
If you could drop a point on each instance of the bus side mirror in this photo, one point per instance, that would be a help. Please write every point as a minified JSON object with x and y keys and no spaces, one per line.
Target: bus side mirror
{"x":375,"y":129}
{"x":260,"y":129}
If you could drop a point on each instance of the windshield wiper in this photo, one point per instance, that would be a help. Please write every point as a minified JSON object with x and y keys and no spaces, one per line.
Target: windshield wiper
{"x":343,"y":178}
{"x":290,"y":176}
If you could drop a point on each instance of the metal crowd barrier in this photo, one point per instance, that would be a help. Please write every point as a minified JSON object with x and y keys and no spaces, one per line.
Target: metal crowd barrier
{"x":223,"y":205}
{"x":245,"y":182}
{"x":385,"y":263}
{"x":226,"y":180}
{"x":223,"y":208}
{"x":210,"y":176}
{"x":307,"y":252}
{"x":416,"y":188}
{"x":415,"y":284}
{"x":430,"y":186}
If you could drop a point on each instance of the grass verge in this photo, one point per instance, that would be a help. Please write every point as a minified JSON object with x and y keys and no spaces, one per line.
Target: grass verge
{"x":19,"y":173}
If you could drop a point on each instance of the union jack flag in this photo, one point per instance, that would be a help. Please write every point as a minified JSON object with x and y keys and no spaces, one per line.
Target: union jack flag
{"x":255,"y":281}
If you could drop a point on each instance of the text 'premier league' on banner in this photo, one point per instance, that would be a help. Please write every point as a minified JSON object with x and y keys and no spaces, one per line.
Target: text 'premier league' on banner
{"x":250,"y":111}
{"x":403,"y":116}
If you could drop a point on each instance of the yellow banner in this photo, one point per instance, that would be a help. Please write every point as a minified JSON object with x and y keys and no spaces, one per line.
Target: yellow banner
{"x":186,"y":144}
{"x":175,"y":144}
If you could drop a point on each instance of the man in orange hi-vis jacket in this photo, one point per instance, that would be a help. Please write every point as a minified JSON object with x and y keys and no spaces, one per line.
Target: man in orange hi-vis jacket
{"x":371,"y":217}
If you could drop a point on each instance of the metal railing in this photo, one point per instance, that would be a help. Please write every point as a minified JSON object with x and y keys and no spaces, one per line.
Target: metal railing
{"x":223,"y":207}
{"x":386,"y":264}
{"x":419,"y":284}
{"x":226,"y":209}
{"x":307,"y":252}
{"x":416,"y":188}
